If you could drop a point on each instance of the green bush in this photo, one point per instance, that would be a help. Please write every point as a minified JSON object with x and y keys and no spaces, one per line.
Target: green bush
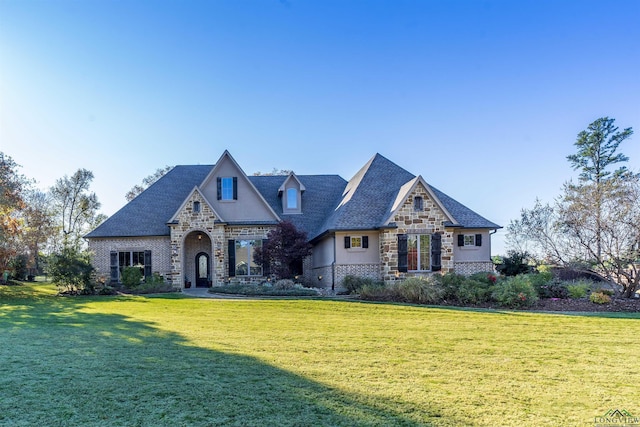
{"x":415,"y":290}
{"x":353,"y":284}
{"x":608,"y":292}
{"x":450,"y":283}
{"x":283,"y":284}
{"x":579,"y":289}
{"x":484,"y":277}
{"x":474,"y":291}
{"x":599,"y":298}
{"x":131,"y":277}
{"x":264,"y":290}
{"x":552,"y":289}
{"x":71,"y":270}
{"x":418,"y":290}
{"x":376,"y":292}
{"x":515,"y":292}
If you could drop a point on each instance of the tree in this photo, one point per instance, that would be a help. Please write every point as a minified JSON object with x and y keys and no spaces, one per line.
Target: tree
{"x":594,"y":222}
{"x":274,"y":172}
{"x":597,"y":151}
{"x":283,"y":251}
{"x":38,"y":217}
{"x":12,"y":187}
{"x":76,"y":206}
{"x":146,"y":183}
{"x":71,"y":269}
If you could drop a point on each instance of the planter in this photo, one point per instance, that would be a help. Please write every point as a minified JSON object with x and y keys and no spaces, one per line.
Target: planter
{"x":187,"y":284}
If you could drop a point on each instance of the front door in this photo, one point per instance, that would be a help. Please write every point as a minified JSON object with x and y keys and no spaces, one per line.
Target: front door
{"x":202,"y":270}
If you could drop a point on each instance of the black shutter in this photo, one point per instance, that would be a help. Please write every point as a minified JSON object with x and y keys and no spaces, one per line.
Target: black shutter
{"x":266,"y":267}
{"x":403,"y":258}
{"x":219,"y":183}
{"x":478,"y":239}
{"x":460,"y":239}
{"x":147,"y":264}
{"x":235,"y":188}
{"x":114,"y":266}
{"x":232,"y":258}
{"x":436,"y":252}
{"x":365,"y":242}
{"x":347,"y":242}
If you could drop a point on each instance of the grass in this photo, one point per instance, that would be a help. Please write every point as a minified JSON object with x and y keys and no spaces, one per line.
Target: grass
{"x":174,"y":361}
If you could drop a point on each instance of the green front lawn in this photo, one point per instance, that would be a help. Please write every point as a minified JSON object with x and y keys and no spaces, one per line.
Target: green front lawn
{"x":175,"y":361}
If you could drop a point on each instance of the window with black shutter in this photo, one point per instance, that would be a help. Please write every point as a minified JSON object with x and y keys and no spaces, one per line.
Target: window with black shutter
{"x":113,"y":262}
{"x":402,"y":253}
{"x":147,"y":264}
{"x":232,"y":258}
{"x":436,"y":252}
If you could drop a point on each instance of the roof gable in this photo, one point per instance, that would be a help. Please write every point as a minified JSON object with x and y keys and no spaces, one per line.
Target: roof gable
{"x":195,"y":195}
{"x":407,"y":189}
{"x":250,"y":205}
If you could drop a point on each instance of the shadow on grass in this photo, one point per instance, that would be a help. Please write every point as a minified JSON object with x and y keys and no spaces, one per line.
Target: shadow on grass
{"x":62,"y":366}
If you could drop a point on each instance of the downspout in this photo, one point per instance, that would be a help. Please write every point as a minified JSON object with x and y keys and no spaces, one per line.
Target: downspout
{"x":333,"y":266}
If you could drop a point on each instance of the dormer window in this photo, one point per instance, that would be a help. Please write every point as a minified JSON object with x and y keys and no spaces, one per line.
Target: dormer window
{"x":196,"y":207}
{"x":291,"y":194}
{"x":292,"y":198}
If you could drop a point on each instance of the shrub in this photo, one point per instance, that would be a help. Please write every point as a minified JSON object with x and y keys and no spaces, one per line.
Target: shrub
{"x":474,"y":291}
{"x":552,"y":289}
{"x":263,"y":290}
{"x":354,"y":284}
{"x":608,"y":292}
{"x":515,"y":292}
{"x":418,"y":290}
{"x":71,"y":269}
{"x":599,"y":298}
{"x":484,"y":277}
{"x":376,"y":292}
{"x":131,"y":277}
{"x":450,"y":283}
{"x":514,"y":263}
{"x":579,"y":289}
{"x":283,"y":284}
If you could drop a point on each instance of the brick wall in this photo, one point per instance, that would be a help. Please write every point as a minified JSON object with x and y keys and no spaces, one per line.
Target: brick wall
{"x":471,"y":267}
{"x":159,"y":246}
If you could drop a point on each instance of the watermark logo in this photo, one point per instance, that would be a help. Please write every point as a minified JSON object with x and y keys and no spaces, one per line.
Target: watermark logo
{"x":617,"y":418}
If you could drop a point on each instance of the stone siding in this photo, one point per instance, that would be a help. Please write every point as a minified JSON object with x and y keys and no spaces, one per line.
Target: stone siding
{"x":429,"y":220}
{"x":159,"y":246}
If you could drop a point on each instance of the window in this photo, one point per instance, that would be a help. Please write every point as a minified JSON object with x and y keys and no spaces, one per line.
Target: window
{"x":292,"y":198}
{"x":418,"y":204}
{"x":242,"y":258}
{"x":469,"y":240}
{"x":418,"y":252}
{"x":122,"y":259}
{"x":356,"y":242}
{"x":227,"y":188}
{"x":196,"y":207}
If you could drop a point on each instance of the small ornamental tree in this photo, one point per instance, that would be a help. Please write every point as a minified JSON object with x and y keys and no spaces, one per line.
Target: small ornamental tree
{"x":283,"y":251}
{"x":71,"y":269}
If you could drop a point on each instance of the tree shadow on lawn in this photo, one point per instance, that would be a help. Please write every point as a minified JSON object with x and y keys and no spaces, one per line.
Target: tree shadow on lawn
{"x":62,"y":366}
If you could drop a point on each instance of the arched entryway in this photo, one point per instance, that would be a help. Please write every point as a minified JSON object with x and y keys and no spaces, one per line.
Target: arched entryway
{"x":203,"y":270}
{"x":197,"y":260}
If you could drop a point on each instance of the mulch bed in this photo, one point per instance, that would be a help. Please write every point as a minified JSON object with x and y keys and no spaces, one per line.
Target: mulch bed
{"x":617,"y":305}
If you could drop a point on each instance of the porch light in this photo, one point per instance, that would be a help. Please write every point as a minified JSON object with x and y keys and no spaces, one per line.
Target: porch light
{"x":320,"y":277}
{"x":199,"y":236}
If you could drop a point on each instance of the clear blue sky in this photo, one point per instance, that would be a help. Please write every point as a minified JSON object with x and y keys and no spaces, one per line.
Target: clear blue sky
{"x":484,"y":99}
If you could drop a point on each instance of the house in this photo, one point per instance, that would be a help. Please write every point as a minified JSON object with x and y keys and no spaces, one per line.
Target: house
{"x":200,"y":225}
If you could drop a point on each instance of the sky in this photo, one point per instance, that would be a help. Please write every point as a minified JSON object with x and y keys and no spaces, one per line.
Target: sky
{"x":484,"y":99}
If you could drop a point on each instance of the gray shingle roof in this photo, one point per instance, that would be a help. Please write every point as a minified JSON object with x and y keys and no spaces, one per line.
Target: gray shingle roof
{"x":319,"y":198}
{"x":329,"y":203}
{"x":147,"y":214}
